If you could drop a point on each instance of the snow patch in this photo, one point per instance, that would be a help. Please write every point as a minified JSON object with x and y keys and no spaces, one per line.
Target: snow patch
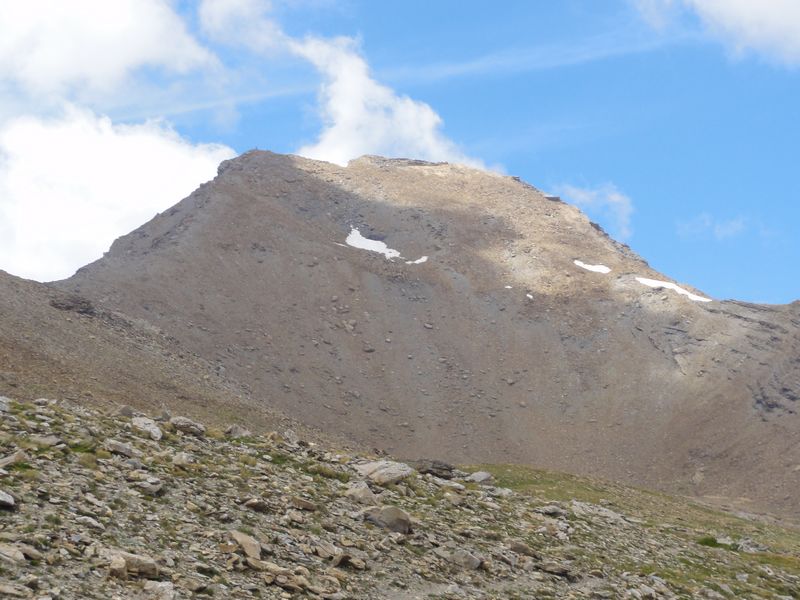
{"x":529,"y":297}
{"x":356,"y":240}
{"x":419,"y":261}
{"x":508,"y":287}
{"x":655,"y":283}
{"x":594,"y":268}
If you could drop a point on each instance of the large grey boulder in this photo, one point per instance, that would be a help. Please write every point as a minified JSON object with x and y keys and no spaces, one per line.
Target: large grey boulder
{"x":384,"y":472}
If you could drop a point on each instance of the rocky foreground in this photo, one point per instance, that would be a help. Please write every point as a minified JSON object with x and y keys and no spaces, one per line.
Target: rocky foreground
{"x":122,"y":505}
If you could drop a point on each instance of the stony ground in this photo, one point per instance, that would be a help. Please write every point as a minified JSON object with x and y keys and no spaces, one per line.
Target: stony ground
{"x":121,"y":505}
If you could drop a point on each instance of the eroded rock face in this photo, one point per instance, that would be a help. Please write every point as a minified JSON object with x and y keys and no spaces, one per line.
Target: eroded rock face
{"x":229,"y":518}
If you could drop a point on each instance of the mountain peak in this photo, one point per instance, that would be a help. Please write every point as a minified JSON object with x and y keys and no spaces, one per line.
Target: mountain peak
{"x":438,"y":310}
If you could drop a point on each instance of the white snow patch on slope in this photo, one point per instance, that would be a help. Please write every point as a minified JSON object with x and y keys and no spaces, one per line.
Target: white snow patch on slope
{"x":419,"y":261}
{"x":655,"y":283}
{"x":595,"y":268}
{"x":356,"y":240}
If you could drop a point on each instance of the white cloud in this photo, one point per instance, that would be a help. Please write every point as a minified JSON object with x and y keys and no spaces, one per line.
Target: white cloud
{"x":70,"y":185}
{"x":704,"y":225}
{"x":769,"y":27}
{"x":604,"y":200}
{"x":361,"y":116}
{"x":242,"y":22}
{"x":53,"y":46}
{"x":71,"y":180}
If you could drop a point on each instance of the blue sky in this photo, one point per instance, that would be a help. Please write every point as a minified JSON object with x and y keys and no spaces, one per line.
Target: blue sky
{"x":675,"y":124}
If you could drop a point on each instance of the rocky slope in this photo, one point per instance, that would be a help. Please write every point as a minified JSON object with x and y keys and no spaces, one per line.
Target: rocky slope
{"x":498,"y":347}
{"x":116,"y":504}
{"x":57,"y":344}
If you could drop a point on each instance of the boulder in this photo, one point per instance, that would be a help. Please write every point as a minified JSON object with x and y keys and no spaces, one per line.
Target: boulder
{"x":159,"y":590}
{"x":6,"y":501}
{"x":389,"y":517}
{"x":186,"y":425}
{"x":16,"y":457}
{"x":481,"y":478}
{"x":237,"y":431}
{"x":249,"y":544}
{"x":384,"y":472}
{"x":146,"y":426}
{"x":303,"y":504}
{"x":360,"y":492}
{"x":438,"y":468}
{"x":11,"y":554}
{"x":124,"y":564}
{"x":117,"y":447}
{"x":465,"y":559}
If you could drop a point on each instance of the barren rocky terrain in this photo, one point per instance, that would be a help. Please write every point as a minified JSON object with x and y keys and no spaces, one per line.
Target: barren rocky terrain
{"x":497,"y":347}
{"x":115,"y":504}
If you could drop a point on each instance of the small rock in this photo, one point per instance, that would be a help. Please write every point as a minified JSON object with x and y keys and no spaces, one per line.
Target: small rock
{"x":16,"y":457}
{"x":343,"y":559}
{"x":360,"y":492}
{"x":264,"y":565}
{"x":247,"y":543}
{"x":117,"y":447}
{"x":8,"y":590}
{"x":5,"y":404}
{"x":257,"y":504}
{"x":147,"y":426}
{"x":295,"y":516}
{"x":6,"y":501}
{"x":481,"y":477}
{"x":160,"y":590}
{"x":237,"y":431}
{"x":440,"y":469}
{"x":124,"y":564}
{"x":551,"y":510}
{"x":44,"y":441}
{"x":11,"y":554}
{"x":29,"y":551}
{"x":90,"y":522}
{"x":303,"y":504}
{"x":464,"y":559}
{"x":522,"y":548}
{"x":389,"y":517}
{"x":125,"y":411}
{"x":555,"y":568}
{"x":182,"y":459}
{"x":186,"y":425}
{"x":151,"y":486}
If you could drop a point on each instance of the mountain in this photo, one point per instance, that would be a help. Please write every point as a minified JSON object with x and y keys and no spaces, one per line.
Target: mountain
{"x":472,"y":336}
{"x":57,"y":345}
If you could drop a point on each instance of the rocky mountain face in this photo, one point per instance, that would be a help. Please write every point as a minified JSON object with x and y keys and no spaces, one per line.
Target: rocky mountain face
{"x":120,"y":505}
{"x":56,"y":344}
{"x":437,"y":311}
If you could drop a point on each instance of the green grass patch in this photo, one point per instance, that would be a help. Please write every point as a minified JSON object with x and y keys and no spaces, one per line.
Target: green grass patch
{"x":328,"y":472}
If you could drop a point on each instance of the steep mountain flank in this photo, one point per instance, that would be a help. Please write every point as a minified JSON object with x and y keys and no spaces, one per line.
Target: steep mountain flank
{"x":497,"y":347}
{"x":58,"y":344}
